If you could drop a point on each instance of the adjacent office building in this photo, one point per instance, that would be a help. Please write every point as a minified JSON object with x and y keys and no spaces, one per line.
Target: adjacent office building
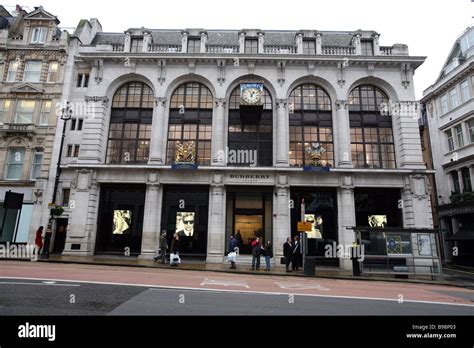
{"x":449,"y":116}
{"x":33,"y":54}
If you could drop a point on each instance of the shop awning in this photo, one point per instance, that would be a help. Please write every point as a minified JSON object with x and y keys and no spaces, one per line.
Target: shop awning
{"x":461,"y":236}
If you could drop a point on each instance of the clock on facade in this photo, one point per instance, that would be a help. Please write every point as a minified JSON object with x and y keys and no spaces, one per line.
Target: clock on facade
{"x":251,"y":93}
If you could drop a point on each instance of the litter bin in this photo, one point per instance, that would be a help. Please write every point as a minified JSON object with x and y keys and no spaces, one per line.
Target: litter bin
{"x":310,"y":266}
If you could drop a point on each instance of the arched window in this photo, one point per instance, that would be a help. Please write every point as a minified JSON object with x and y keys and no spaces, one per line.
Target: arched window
{"x":130,"y":124}
{"x":371,"y":129}
{"x":310,"y":123}
{"x":250,"y":138}
{"x":190,"y":121}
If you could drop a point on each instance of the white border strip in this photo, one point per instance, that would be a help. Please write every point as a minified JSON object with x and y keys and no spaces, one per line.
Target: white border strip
{"x":158,"y":287}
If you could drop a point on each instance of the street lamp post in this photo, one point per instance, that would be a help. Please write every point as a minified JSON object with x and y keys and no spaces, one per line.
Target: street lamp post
{"x":66,"y":115}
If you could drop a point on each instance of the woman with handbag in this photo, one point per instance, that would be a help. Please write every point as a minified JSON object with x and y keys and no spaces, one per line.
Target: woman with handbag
{"x":174,"y":255}
{"x":232,"y":251}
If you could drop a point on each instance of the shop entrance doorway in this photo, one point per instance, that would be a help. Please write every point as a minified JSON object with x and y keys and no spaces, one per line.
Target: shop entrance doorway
{"x":249,"y":215}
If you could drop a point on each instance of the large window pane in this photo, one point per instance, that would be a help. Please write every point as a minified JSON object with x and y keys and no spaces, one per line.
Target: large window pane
{"x":5,"y":105}
{"x":24,"y":111}
{"x":15,"y":161}
{"x":12,"y":70}
{"x":32,"y":71}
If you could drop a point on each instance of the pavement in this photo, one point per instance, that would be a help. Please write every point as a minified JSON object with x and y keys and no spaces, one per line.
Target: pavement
{"x":454,"y":276}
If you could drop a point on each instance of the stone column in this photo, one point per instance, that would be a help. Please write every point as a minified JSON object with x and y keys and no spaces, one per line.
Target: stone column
{"x":346,"y":218}
{"x":342,"y":135}
{"x":157,"y":154}
{"x":84,"y":207}
{"x":216,"y":225}
{"x":95,"y":131}
{"x":151,"y":221}
{"x":282,"y":129}
{"x":219,"y":157}
{"x":357,"y":44}
{"x":282,"y":221}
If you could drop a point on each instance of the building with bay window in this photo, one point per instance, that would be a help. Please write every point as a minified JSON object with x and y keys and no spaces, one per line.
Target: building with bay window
{"x":33,"y":53}
{"x":213,"y":133}
{"x":449,"y":118}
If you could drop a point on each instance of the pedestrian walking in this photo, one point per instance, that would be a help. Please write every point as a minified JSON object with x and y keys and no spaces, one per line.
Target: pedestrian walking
{"x":256,"y":252}
{"x":233,"y":247}
{"x":163,"y":246}
{"x":296,"y":254}
{"x":288,"y":253}
{"x":174,"y":254}
{"x":268,"y":253}
{"x":39,"y":239}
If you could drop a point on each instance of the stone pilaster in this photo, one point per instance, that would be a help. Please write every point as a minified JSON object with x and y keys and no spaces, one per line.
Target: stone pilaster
{"x":84,"y":209}
{"x":128,"y":43}
{"x":342,"y":134}
{"x":216,"y":229}
{"x":152,"y":218}
{"x":218,"y":125}
{"x":157,"y":153}
{"x":261,"y":39}
{"x":203,"y":42}
{"x":282,"y":220}
{"x":299,"y":43}
{"x":184,"y":42}
{"x":242,"y":43}
{"x":319,"y":44}
{"x":95,"y":131}
{"x":282,"y":133}
{"x":346,"y":217}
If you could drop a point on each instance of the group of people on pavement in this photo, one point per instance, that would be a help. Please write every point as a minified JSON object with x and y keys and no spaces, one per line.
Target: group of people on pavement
{"x":174,"y":250}
{"x":292,"y":254}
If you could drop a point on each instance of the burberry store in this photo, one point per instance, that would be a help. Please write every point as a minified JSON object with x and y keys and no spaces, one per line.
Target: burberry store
{"x":176,"y":142}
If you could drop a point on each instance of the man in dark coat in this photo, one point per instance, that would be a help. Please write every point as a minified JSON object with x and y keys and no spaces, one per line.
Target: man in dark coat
{"x":288,"y":253}
{"x":296,"y":254}
{"x":256,"y":252}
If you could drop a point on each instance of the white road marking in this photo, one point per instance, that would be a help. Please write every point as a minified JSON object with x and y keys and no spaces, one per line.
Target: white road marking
{"x":43,"y":283}
{"x":165,"y":287}
{"x":225,"y":283}
{"x":299,"y":286}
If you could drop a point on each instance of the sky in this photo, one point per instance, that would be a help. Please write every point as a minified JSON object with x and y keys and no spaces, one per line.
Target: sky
{"x":428,"y":27}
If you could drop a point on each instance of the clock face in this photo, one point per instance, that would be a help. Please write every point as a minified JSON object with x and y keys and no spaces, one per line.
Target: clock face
{"x":251,"y":95}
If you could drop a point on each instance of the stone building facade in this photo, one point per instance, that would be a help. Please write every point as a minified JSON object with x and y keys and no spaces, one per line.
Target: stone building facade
{"x":33,"y":55}
{"x":449,"y":116}
{"x":277,"y":119}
